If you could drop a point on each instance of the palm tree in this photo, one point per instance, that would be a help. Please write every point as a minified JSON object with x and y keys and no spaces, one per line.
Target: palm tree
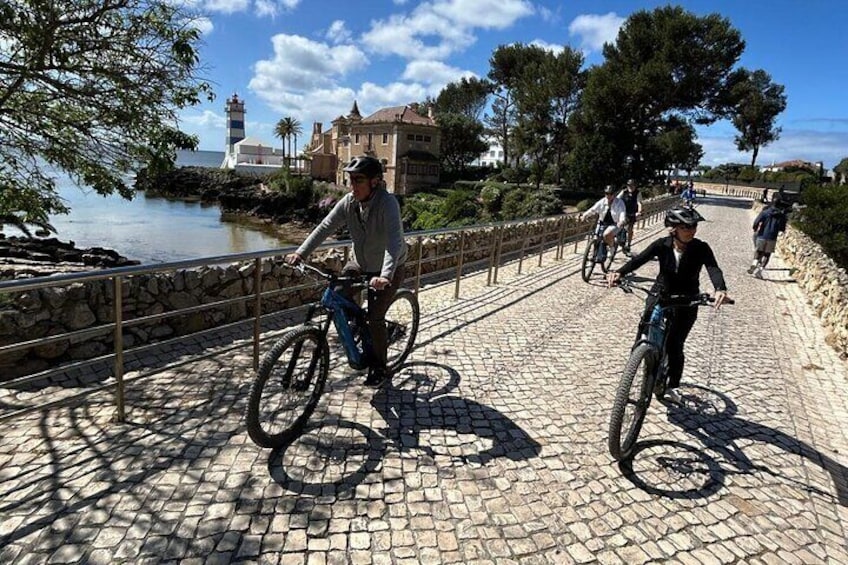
{"x":283,"y":131}
{"x":296,"y":130}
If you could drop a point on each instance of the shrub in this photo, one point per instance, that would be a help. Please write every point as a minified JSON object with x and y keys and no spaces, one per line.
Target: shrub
{"x":824,"y":218}
{"x":584,"y":205}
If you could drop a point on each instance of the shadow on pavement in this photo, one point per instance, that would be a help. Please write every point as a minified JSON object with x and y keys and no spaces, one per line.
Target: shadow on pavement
{"x":680,"y":470}
{"x":334,"y":456}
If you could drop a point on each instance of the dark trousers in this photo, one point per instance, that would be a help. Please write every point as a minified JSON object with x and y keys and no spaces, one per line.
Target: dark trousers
{"x":680,"y":322}
{"x":378,"y":304}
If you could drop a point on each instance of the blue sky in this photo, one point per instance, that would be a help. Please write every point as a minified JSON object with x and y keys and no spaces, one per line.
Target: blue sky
{"x":310,"y":59}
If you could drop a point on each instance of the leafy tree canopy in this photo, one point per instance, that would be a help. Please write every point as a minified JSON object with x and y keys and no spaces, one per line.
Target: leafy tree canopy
{"x":468,"y":97}
{"x":758,"y":101}
{"x":461,"y":140}
{"x":90,"y":87}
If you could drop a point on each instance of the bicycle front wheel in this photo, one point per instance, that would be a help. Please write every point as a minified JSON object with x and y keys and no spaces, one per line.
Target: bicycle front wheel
{"x":287,"y":387}
{"x":631,"y":401}
{"x":589,"y":259}
{"x":402,"y":319}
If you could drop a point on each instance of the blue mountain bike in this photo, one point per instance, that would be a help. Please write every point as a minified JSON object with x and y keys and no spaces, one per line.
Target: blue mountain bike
{"x":293,"y":373}
{"x":646,"y":370}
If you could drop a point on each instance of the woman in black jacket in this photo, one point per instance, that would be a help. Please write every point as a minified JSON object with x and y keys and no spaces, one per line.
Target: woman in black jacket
{"x":681,"y":256}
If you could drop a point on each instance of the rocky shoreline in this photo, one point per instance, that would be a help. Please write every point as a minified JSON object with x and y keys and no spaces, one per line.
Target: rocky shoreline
{"x":26,"y":257}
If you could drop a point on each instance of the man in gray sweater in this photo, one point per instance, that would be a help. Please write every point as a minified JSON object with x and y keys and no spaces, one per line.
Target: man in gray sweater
{"x":372,"y":216}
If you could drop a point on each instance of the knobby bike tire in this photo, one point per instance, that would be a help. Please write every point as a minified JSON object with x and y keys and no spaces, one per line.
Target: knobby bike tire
{"x":402,"y":319}
{"x":294,"y":372}
{"x":589,"y":259}
{"x":644,"y":356}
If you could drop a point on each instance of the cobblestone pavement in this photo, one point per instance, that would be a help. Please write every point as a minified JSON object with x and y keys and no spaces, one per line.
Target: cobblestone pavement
{"x":489,"y":447}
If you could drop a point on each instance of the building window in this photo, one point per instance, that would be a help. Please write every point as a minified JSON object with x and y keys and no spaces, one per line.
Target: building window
{"x":427,"y":138}
{"x":419,"y":137}
{"x":385,"y":139}
{"x":410,"y":137}
{"x":370,"y":140}
{"x":491,"y":153}
{"x":356,"y":139}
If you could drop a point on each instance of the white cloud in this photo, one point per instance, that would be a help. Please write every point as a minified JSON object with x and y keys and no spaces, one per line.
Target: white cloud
{"x":227,"y":6}
{"x":371,"y":97}
{"x":594,"y":30}
{"x":435,"y":30}
{"x":433,"y":73}
{"x":338,"y":32}
{"x":261,"y":8}
{"x":207,"y":119}
{"x":553,"y":47}
{"x":203,"y":24}
{"x":300,"y":64}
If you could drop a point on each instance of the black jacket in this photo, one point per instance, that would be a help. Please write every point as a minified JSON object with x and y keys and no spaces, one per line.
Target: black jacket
{"x":682,"y":280}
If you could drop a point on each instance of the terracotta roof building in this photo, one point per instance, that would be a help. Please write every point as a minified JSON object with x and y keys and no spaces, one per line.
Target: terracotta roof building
{"x":406,"y":142}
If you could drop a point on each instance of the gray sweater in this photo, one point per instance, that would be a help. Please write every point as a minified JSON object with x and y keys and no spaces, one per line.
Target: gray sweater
{"x":375,"y":229}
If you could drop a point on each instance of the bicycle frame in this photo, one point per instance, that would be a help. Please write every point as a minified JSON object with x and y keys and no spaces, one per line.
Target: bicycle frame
{"x":341,"y":311}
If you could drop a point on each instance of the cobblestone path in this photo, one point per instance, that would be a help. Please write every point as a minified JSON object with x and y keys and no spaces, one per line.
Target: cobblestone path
{"x":488,"y":447}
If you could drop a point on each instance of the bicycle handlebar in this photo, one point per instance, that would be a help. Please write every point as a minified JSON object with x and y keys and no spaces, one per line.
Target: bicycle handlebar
{"x":355,"y":280}
{"x":701,"y":299}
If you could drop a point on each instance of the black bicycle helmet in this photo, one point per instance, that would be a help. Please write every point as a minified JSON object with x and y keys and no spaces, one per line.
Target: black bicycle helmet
{"x":366,"y":165}
{"x":609,"y":189}
{"x":682,"y":217}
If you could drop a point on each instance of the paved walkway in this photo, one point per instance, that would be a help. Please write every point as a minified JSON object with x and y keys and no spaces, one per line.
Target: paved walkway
{"x":489,"y":447}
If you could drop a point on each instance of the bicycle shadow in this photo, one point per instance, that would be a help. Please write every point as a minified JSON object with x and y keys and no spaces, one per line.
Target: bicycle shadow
{"x":337,"y":455}
{"x":693,"y":472}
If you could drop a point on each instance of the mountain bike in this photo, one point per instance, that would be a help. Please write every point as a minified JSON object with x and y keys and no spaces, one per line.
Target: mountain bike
{"x":597,"y":252}
{"x":293,"y":373}
{"x":646,"y":371}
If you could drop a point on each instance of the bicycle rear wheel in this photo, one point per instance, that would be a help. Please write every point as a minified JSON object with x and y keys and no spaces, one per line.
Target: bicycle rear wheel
{"x":402,"y":319}
{"x":589,"y":259}
{"x":287,"y":387}
{"x":631,"y":401}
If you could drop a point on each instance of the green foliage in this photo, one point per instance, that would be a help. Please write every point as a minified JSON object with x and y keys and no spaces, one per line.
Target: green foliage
{"x":527,"y":202}
{"x":584,"y":204}
{"x":491,"y":197}
{"x":461,"y":140}
{"x":92,"y":88}
{"x":758,"y":101}
{"x":466,"y":98}
{"x":824,"y":218}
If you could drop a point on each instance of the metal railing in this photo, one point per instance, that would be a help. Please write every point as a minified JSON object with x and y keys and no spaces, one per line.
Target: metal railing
{"x":501,"y":242}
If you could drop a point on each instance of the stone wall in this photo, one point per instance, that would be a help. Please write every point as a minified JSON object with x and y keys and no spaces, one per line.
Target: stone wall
{"x":825,"y":284}
{"x":36,"y":314}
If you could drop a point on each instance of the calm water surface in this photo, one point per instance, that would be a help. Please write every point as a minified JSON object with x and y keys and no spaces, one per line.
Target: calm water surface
{"x":156,"y":230}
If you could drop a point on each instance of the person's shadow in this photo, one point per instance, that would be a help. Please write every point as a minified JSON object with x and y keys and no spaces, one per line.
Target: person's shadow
{"x":421,"y":416}
{"x":682,"y":470}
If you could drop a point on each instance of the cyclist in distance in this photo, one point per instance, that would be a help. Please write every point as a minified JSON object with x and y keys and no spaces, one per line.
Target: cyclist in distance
{"x":612,"y":213}
{"x":372,"y":216}
{"x":681,"y":256}
{"x":632,"y":199}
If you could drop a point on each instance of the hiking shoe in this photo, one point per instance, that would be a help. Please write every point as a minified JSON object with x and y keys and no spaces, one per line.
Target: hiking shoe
{"x":758,"y":273}
{"x":376,"y":376}
{"x":751,"y":268}
{"x":673,"y":396}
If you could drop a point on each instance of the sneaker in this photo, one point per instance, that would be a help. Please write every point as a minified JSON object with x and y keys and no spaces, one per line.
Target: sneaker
{"x":673,"y":396}
{"x":758,"y":273}
{"x":376,"y":377}
{"x":751,"y":268}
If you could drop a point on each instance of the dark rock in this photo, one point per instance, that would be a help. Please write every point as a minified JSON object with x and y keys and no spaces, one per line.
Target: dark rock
{"x":34,"y":257}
